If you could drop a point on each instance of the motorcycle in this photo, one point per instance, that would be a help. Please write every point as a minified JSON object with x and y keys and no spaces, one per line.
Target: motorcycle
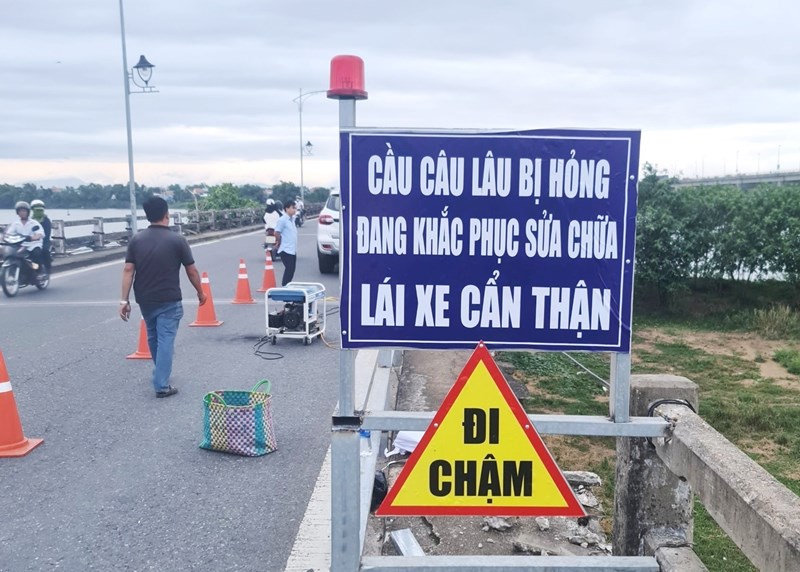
{"x":18,"y":270}
{"x":300,"y":218}
{"x":269,"y":243}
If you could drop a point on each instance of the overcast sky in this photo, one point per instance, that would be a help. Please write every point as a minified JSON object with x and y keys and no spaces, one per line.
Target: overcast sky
{"x":713,"y":84}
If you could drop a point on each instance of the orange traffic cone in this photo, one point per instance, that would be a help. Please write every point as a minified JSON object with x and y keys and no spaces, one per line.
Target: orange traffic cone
{"x":243,"y":295}
{"x":269,"y":274}
{"x":143,"y":350}
{"x":12,"y":441}
{"x":206,"y":316}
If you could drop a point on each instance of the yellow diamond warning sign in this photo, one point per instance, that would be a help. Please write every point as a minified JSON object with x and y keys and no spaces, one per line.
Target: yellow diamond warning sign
{"x":481,"y":456}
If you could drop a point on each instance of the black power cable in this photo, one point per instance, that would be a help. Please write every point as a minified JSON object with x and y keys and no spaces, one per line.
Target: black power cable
{"x":263,"y":354}
{"x":658,"y":402}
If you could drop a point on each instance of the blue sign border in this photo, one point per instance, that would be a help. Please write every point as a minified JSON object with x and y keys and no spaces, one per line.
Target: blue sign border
{"x":356,"y":200}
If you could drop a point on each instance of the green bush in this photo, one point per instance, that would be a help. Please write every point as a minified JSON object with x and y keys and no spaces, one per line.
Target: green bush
{"x":790,"y":359}
{"x":777,"y":322}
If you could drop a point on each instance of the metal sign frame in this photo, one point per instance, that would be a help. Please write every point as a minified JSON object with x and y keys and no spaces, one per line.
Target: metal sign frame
{"x":346,"y":521}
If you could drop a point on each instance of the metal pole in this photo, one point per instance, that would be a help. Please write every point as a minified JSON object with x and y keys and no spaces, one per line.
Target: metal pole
{"x":347,"y":117}
{"x":131,"y":181}
{"x":299,"y":99}
{"x":300,"y":108}
{"x":345,"y":444}
{"x":620,"y":395}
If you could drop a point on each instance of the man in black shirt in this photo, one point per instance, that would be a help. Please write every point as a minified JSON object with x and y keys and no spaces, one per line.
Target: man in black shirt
{"x":152,"y":266}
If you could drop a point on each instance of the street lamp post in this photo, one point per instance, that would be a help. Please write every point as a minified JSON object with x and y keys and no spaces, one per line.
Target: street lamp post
{"x":144,"y":71}
{"x":304,"y":149}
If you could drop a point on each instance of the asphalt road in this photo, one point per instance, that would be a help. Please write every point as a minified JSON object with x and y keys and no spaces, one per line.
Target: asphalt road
{"x":120,"y":483}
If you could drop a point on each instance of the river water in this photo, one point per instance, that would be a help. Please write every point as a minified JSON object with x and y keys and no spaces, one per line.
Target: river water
{"x":7,"y":216}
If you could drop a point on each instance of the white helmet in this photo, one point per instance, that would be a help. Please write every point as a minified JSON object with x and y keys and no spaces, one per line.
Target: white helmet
{"x":270,"y":202}
{"x":37,"y":203}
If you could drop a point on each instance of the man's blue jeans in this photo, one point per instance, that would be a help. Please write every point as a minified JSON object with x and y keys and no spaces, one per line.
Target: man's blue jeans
{"x":162,"y":326}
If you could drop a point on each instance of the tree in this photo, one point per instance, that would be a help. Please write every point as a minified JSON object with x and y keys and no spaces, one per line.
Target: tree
{"x":8,"y":196}
{"x":95,"y":195}
{"x":783,"y":226}
{"x":662,"y":257}
{"x":181,"y":195}
{"x":253,"y":192}
{"x":226,"y":196}
{"x":318,"y":195}
{"x":284,"y":191}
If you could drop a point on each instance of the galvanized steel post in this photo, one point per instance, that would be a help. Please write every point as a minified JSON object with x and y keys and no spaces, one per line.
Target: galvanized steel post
{"x":345,"y":443}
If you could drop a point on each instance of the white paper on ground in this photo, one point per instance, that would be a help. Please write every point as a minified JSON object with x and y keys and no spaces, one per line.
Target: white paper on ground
{"x":405,"y":442}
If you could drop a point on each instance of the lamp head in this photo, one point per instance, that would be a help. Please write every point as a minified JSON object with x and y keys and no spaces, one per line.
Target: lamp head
{"x":144,"y":69}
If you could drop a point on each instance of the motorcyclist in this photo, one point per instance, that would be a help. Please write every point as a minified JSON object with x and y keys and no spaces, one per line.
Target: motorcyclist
{"x":31,"y":228}
{"x":271,"y":218}
{"x":300,"y":217}
{"x":47,"y":226}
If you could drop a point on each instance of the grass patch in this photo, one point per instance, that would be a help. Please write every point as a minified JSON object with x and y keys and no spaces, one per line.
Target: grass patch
{"x":715,"y":549}
{"x":762,"y":409}
{"x":790,"y":359}
{"x":558,"y":384}
{"x":605,"y":468}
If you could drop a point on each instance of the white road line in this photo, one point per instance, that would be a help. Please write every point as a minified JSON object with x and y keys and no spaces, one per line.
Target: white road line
{"x":58,"y":275}
{"x":114,"y":302}
{"x":11,"y":305}
{"x":312,"y":546}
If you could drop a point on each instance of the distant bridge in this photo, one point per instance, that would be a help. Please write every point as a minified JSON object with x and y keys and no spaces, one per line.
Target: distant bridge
{"x":742,"y":181}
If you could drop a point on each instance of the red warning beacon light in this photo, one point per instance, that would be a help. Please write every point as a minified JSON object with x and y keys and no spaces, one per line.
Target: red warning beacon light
{"x":347,"y":78}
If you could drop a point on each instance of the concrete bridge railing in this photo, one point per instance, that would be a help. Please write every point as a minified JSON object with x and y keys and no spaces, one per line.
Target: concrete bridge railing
{"x":191,"y":224}
{"x":657,"y":481}
{"x":196,"y":222}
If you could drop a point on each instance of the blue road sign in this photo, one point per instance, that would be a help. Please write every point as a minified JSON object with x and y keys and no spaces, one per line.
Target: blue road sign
{"x":521,"y":239}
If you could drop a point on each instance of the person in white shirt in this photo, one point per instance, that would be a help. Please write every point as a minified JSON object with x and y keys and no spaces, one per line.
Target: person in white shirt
{"x":31,"y":228}
{"x":271,"y":218}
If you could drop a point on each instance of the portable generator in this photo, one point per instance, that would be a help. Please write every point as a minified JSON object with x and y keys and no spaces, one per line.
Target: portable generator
{"x":297,"y":310}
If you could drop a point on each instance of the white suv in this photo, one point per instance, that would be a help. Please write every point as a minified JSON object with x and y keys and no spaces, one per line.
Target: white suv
{"x":328,"y":234}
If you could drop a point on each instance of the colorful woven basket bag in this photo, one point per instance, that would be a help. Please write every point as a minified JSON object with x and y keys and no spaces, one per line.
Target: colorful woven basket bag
{"x":239,"y":422}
